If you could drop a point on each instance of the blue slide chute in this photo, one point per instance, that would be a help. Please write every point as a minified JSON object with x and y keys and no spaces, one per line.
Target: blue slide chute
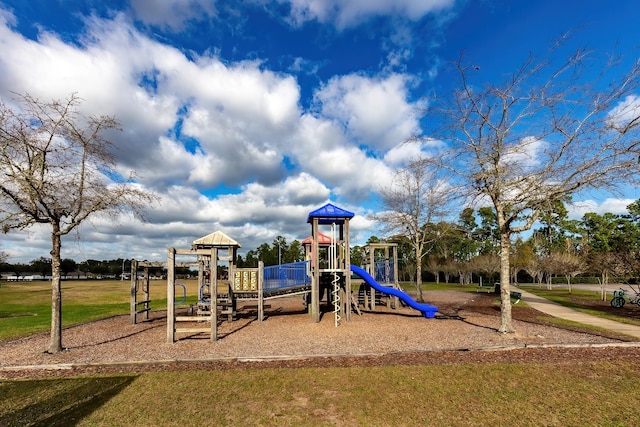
{"x":428,"y":311}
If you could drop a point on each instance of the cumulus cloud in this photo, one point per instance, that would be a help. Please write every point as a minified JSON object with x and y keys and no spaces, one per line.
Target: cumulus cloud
{"x":523,"y":155}
{"x":407,"y":152}
{"x":194,"y":123}
{"x":348,"y":13}
{"x":374,"y":111}
{"x":626,"y":112}
{"x":238,"y":113}
{"x":172,"y":14}
{"x":322,"y":149}
{"x":577,"y":209}
{"x":254,"y":215}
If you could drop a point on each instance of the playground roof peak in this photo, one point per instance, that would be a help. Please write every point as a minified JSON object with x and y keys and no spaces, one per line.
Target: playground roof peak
{"x":215,"y":239}
{"x":323,"y":239}
{"x":330,"y":213}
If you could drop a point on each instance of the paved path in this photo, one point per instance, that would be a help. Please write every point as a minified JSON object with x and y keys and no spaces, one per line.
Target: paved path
{"x":556,"y":310}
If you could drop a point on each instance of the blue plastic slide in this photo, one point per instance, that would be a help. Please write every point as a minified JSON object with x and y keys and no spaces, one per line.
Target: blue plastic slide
{"x":428,"y":311}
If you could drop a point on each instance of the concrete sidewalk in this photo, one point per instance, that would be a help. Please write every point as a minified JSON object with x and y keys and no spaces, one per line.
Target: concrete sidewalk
{"x":562,"y":312}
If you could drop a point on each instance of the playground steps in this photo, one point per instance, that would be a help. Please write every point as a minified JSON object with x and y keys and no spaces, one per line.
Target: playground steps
{"x":364,"y":297}
{"x":193,"y":330}
{"x":227,"y":307}
{"x":193,"y":318}
{"x":203,"y":313}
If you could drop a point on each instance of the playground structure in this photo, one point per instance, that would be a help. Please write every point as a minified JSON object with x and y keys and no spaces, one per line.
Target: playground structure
{"x":221,"y":285}
{"x":333,"y":271}
{"x":327,"y":270}
{"x":212,"y":253}
{"x":381,"y":263}
{"x":141,"y":307}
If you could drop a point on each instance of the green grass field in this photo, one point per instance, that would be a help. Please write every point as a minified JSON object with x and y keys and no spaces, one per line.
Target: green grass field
{"x":25,"y":307}
{"x":525,"y":394}
{"x":584,"y":394}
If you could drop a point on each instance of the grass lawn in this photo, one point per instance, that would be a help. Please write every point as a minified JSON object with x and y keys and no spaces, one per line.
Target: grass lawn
{"x":603,"y":394}
{"x":524,"y":394}
{"x":25,"y":307}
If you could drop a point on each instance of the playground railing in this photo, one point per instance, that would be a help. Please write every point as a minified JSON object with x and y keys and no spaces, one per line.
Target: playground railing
{"x":291,"y":275}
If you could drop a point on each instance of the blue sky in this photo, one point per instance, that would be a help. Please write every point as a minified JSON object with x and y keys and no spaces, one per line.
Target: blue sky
{"x":246,"y":115}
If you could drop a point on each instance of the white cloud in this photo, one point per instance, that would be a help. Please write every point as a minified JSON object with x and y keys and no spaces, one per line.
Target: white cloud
{"x":241,"y":120}
{"x":625,"y":112}
{"x":577,"y":209}
{"x":239,"y":113}
{"x":348,"y":13}
{"x":172,"y":14}
{"x":374,"y":111}
{"x":322,"y":149}
{"x":255,"y":215}
{"x":403,"y":154}
{"x":523,"y":155}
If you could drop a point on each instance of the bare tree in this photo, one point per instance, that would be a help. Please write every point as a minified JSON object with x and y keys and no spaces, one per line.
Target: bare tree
{"x":57,"y":169}
{"x":541,"y":135}
{"x":568,"y":265}
{"x":521,"y":258}
{"x":410,"y":205}
{"x":561,"y":263}
{"x":535,"y":269}
{"x":449,"y":268}
{"x":488,"y":264}
{"x":434,"y":266}
{"x":464,"y":269}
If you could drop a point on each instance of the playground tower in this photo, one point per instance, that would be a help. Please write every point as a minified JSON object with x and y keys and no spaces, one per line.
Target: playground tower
{"x":335,"y":264}
{"x":213,"y":252}
{"x":381,"y":262}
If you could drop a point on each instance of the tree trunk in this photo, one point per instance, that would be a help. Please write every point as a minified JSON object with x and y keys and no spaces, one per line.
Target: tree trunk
{"x":55,"y":344}
{"x":506,"y":325}
{"x":539,"y":277}
{"x":419,"y":278}
{"x":603,"y":285}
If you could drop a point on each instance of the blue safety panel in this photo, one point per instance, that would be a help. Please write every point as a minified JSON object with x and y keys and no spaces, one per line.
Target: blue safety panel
{"x":291,"y":275}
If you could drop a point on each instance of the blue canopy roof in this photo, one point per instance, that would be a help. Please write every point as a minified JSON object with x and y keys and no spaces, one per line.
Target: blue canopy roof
{"x":329,"y":213}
